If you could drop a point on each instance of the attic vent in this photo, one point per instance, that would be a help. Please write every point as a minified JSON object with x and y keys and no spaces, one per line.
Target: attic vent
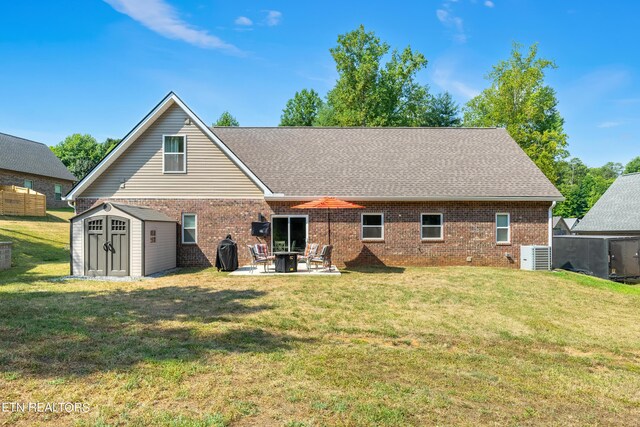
{"x":535,"y":258}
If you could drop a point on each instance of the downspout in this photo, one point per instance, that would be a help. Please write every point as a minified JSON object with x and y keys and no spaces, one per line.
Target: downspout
{"x":553,"y":205}
{"x":72,"y":204}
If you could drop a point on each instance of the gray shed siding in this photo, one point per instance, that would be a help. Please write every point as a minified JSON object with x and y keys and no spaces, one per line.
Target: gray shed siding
{"x":210,"y":173}
{"x":160,"y":255}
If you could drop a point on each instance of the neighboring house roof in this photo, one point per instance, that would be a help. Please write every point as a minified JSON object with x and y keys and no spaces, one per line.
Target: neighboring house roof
{"x":617,"y":210}
{"x":556,"y":220}
{"x":139,"y":212}
{"x":22,"y":155}
{"x":420,"y":163}
{"x":571,"y":222}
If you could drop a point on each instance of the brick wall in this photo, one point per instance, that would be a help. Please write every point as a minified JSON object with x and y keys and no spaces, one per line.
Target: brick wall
{"x":41,"y":184}
{"x":469,"y":230}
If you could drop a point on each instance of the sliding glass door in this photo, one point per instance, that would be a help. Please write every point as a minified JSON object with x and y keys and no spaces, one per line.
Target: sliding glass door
{"x":288,"y":233}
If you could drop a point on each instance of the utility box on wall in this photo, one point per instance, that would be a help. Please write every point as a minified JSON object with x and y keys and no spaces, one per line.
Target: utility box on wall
{"x":535,"y":258}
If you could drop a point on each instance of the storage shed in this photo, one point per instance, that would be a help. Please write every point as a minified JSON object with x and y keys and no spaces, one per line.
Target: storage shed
{"x":113,"y":239}
{"x":607,"y":257}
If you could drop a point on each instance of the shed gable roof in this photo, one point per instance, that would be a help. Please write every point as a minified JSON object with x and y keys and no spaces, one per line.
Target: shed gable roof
{"x":361,"y":163}
{"x":617,"y":210}
{"x":23,"y":155}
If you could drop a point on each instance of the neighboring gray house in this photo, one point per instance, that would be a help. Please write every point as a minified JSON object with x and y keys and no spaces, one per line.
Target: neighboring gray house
{"x":618,"y":210}
{"x":571,"y":222}
{"x":30,"y":164}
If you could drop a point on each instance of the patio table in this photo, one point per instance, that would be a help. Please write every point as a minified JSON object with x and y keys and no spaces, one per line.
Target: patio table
{"x":286,"y":262}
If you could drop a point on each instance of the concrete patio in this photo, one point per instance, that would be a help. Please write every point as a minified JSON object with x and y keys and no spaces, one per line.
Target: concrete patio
{"x":249,"y":270}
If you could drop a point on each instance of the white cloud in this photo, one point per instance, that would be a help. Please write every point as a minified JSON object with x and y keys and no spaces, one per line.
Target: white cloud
{"x":444,"y":75}
{"x":273,"y":18}
{"x":609,"y":124}
{"x":161,"y":17}
{"x":489,"y":3}
{"x":451,"y":21}
{"x":243,"y":21}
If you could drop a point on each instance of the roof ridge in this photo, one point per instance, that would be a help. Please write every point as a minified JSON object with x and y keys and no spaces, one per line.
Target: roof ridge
{"x":24,"y":139}
{"x":357,"y":127}
{"x":629,"y":174}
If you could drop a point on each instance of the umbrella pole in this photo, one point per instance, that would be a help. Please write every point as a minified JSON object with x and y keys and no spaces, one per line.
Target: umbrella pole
{"x":329,"y":221}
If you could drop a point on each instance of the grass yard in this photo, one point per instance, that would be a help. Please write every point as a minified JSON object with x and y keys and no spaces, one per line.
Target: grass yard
{"x":421,"y":346}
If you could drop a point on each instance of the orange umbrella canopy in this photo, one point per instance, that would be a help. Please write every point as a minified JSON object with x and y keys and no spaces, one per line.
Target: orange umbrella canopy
{"x":328,"y":203}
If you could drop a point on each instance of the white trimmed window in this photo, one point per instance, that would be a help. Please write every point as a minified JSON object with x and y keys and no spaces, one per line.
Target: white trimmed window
{"x":28,"y":184}
{"x":431,"y":226}
{"x":189,"y":229}
{"x":372,"y":226}
{"x":174,"y":154}
{"x":57,"y":190}
{"x":503,"y":228}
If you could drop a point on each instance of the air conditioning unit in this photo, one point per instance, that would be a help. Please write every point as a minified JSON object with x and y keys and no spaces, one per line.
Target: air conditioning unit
{"x":535,"y":257}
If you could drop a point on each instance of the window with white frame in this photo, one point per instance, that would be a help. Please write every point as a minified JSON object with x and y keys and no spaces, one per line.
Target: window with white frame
{"x":57,"y":190}
{"x":28,"y":184}
{"x":431,"y":226}
{"x":503,"y":228}
{"x":174,"y":154}
{"x":189,"y":228}
{"x":372,"y":226}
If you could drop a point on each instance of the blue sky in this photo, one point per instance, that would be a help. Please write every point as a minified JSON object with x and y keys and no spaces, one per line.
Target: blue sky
{"x":98,"y":67}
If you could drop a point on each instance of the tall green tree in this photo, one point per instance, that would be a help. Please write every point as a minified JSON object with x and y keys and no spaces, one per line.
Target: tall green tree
{"x":79,"y":153}
{"x":302,"y":109}
{"x":633,"y":166}
{"x":519,"y":100}
{"x":108,"y":145}
{"x":443,"y":112}
{"x":369,"y":92}
{"x":226,"y":119}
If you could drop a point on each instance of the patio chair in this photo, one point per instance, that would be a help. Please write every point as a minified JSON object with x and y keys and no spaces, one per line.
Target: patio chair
{"x":257,"y":259}
{"x":279,"y":246}
{"x":310,"y":251}
{"x":324,"y":258}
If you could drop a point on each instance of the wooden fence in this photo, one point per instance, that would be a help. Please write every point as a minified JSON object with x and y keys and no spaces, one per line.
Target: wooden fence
{"x":22,"y":201}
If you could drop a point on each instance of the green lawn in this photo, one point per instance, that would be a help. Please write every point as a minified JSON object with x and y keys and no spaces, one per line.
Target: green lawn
{"x":421,"y":346}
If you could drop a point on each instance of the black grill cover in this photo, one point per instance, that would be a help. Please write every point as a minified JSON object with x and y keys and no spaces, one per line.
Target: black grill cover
{"x":227,"y":255}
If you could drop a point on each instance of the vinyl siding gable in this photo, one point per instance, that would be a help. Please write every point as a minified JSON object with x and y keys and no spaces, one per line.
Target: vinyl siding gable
{"x":210,"y":173}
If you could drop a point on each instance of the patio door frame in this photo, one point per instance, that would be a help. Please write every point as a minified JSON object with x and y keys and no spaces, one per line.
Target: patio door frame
{"x":306,"y":230}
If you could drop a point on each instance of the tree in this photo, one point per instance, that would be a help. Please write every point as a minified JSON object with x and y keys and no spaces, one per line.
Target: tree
{"x":302,"y":109}
{"x":519,"y":100}
{"x":369,"y":93}
{"x":226,"y":119}
{"x":79,"y":153}
{"x":443,"y":112}
{"x":108,"y":145}
{"x":633,"y":166}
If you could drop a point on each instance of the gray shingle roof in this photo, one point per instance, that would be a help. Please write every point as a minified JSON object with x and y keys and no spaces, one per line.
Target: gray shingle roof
{"x":617,"y":210}
{"x":23,"y":155}
{"x":143,"y":213}
{"x":389,"y":162}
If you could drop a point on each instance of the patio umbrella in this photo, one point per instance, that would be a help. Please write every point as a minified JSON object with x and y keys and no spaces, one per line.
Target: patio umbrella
{"x":328,"y":203}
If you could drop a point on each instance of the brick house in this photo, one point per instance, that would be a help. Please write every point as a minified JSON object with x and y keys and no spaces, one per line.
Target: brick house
{"x":432,"y":196}
{"x":31,"y":164}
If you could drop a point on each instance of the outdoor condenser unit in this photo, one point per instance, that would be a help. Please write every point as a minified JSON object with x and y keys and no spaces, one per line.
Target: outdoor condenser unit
{"x":535,"y":258}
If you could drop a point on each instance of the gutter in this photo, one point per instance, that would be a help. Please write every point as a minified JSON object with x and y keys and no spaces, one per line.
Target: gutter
{"x":279,"y":197}
{"x":553,"y":205}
